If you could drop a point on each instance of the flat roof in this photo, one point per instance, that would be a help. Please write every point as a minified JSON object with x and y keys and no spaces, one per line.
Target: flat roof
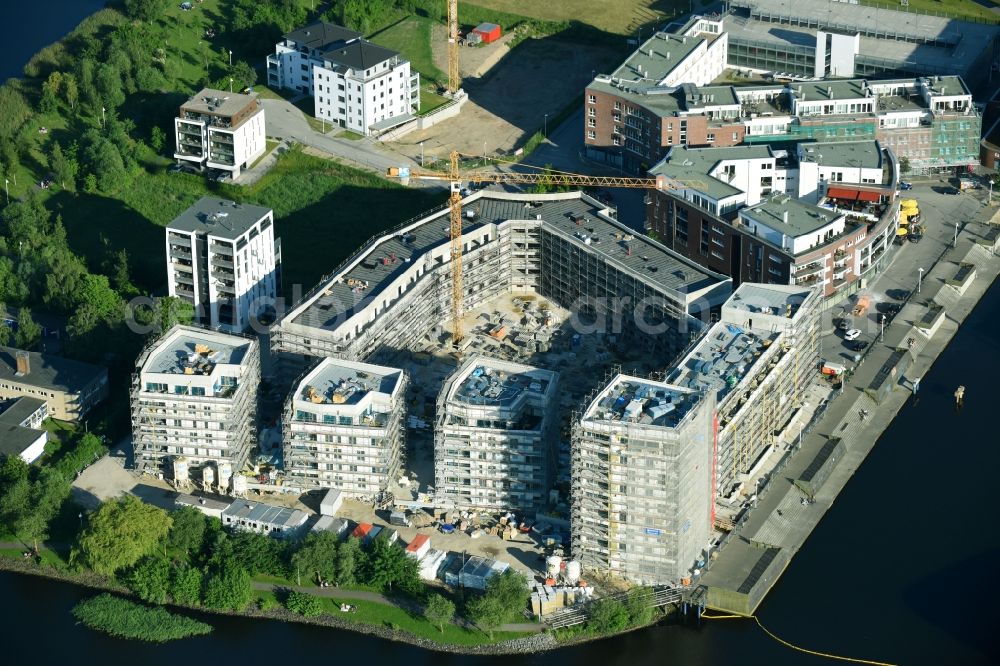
{"x":218,"y":217}
{"x":829,"y":89}
{"x":19,"y":409}
{"x":14,"y":439}
{"x":492,"y":382}
{"x":265,"y":513}
{"x":200,"y":501}
{"x":342,"y":295}
{"x":864,"y":154}
{"x":199,"y":349}
{"x":321,"y":34}
{"x":339,"y":382}
{"x":48,"y":371}
{"x":645,"y":402}
{"x":687,"y":164}
{"x":723,"y":356}
{"x":778,"y":300}
{"x":926,"y":41}
{"x":803,"y":218}
{"x":656,"y":57}
{"x":218,"y":102}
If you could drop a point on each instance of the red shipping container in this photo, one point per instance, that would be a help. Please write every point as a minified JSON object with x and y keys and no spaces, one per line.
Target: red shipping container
{"x":490,"y":32}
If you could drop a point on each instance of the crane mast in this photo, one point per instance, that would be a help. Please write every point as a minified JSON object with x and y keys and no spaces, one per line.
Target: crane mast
{"x":455,"y":178}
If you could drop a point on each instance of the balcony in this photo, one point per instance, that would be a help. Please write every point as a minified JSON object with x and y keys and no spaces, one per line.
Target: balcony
{"x":223,"y":249}
{"x":179,"y":253}
{"x":809,"y":269}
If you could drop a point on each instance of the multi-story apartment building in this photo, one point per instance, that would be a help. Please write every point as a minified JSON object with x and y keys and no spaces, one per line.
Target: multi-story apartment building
{"x":194,"y":399}
{"x":223,"y":258}
{"x":758,"y":361}
{"x":220,"y":130}
{"x":566,"y":247}
{"x":662,"y":97}
{"x":493,"y":440}
{"x":642,"y":505}
{"x":344,"y":427}
{"x":355,"y":84}
{"x":69,"y":388}
{"x":824,"y":215}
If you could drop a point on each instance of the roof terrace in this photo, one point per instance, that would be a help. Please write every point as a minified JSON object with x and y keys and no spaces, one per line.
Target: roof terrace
{"x":644,"y":402}
{"x":723,"y":358}
{"x":336,"y":382}
{"x":192,"y":351}
{"x":489,"y":382}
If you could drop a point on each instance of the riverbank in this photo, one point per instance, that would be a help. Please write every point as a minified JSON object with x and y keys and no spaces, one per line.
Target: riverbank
{"x":758,"y":552}
{"x":541,"y":641}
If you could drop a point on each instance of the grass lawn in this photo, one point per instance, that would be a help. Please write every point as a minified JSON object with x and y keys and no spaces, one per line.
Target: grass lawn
{"x":391,"y":616}
{"x":957,"y":8}
{"x":349,"y":135}
{"x":430,"y":100}
{"x":48,"y":557}
{"x":621,"y":19}
{"x":412,"y":38}
{"x":268,"y":147}
{"x":323,"y":211}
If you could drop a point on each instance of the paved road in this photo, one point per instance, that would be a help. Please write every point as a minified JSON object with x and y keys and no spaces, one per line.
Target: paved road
{"x":780,"y":519}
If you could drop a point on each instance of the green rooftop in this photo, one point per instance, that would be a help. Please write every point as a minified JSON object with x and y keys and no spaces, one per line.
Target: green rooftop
{"x":694,"y":164}
{"x":802,"y":218}
{"x":864,"y":154}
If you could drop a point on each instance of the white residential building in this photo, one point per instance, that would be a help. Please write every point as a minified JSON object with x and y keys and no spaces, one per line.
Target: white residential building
{"x":223,"y":258}
{"x":220,"y":130}
{"x":194,"y":404}
{"x":344,"y":427}
{"x":354,"y":83}
{"x":493,"y":443}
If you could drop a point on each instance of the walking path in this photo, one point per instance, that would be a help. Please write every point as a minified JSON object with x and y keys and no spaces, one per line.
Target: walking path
{"x":780,"y":521}
{"x":406,"y":604}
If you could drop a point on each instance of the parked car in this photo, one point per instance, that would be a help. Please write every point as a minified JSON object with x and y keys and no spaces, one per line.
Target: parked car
{"x":915,"y":238}
{"x":856,"y":345}
{"x":903,"y":185}
{"x":843,"y":324}
{"x":852,"y":334}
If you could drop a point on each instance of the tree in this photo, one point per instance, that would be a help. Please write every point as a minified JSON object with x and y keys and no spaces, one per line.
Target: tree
{"x":149,"y":579}
{"x":14,"y":111}
{"x":259,"y":553}
{"x":243,"y":75}
{"x":121,"y":532}
{"x":229,"y":588}
{"x":28,"y":332}
{"x":304,"y":604}
{"x":64,"y":166}
{"x":185,"y":585}
{"x":388,"y":565}
{"x":15,"y":499}
{"x":350,"y":559}
{"x":5,"y":332}
{"x":49,"y":101}
{"x":144,"y":10}
{"x":109,"y":86}
{"x":108,"y":167}
{"x":439,"y":611}
{"x":188,"y":531}
{"x":607,"y":616}
{"x":487,"y":612}
{"x":640,"y":612}
{"x":70,"y":91}
{"x":317,"y":557}
{"x":904,"y":165}
{"x":157,"y":138}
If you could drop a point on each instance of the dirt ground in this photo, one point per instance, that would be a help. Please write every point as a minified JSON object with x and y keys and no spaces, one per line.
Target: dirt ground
{"x":621,"y":16}
{"x":513,"y":92}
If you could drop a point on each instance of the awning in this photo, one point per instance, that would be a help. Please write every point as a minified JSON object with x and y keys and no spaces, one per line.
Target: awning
{"x":864,"y":195}
{"x":903,"y":221}
{"x":841,"y":193}
{"x":908,"y":202}
{"x":901,"y":232}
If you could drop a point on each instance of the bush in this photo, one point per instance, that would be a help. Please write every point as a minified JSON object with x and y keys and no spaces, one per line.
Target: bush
{"x":125,"y":619}
{"x":304,"y":604}
{"x":607,"y":616}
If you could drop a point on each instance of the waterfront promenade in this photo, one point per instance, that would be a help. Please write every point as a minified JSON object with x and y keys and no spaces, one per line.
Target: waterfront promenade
{"x":753,"y":558}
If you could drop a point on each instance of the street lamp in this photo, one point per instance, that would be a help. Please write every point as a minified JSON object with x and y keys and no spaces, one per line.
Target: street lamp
{"x":545,"y":131}
{"x":230,"y":84}
{"x":920,"y":278}
{"x":102,"y":116}
{"x":6,"y":189}
{"x":230,"y":58}
{"x":881,"y":335}
{"x":954,"y":241}
{"x":421,"y":154}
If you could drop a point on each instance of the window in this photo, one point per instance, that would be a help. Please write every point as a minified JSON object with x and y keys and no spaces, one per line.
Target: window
{"x":617,"y":140}
{"x":592,"y":99}
{"x":591,"y":122}
{"x":710,"y":138}
{"x":591,"y":112}
{"x":591,"y":134}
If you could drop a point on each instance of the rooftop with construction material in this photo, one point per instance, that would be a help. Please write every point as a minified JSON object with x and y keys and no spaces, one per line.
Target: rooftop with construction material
{"x":641,"y":401}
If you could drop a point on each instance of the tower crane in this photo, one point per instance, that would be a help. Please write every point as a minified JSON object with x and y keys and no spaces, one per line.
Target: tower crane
{"x":455,"y":179}
{"x":454,"y":83}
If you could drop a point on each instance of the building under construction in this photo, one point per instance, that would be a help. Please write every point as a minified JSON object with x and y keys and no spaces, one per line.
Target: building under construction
{"x":344,"y":427}
{"x":394,"y":293}
{"x":758,"y":360}
{"x":642,"y":480}
{"x":194,"y":404}
{"x":494,"y":436}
